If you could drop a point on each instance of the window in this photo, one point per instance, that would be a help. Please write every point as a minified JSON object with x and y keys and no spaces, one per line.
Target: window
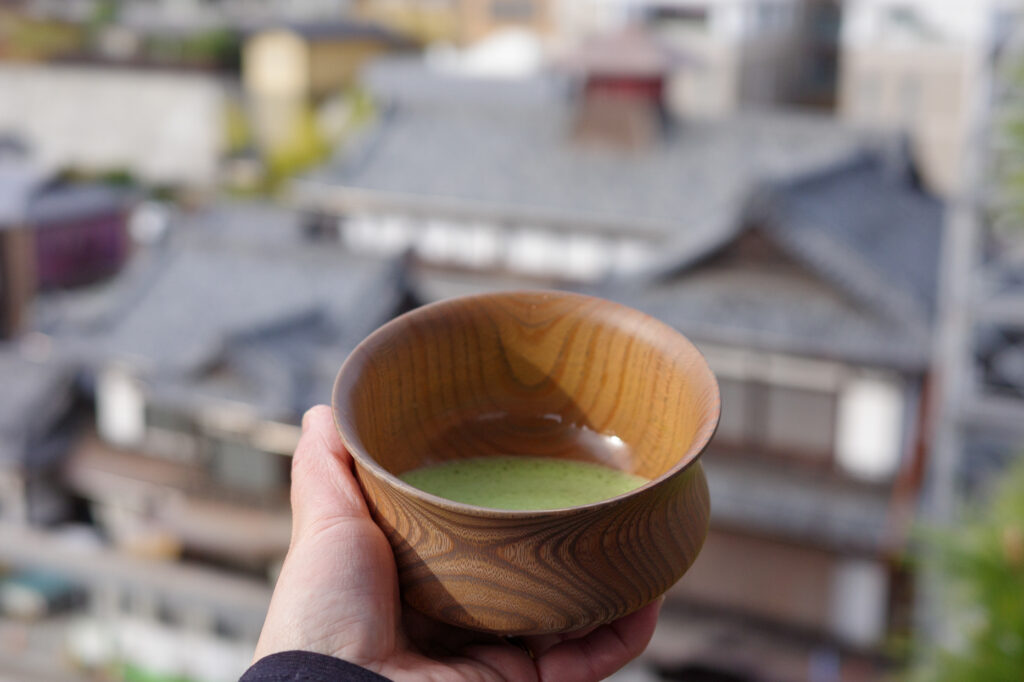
{"x":241,"y":467}
{"x":905,"y":21}
{"x":783,"y":419}
{"x":170,"y":434}
{"x":799,"y":420}
{"x":436,"y":241}
{"x":869,"y":432}
{"x":119,"y":408}
{"x":534,"y":251}
{"x":736,"y":423}
{"x":477,"y":246}
{"x":587,"y":257}
{"x":860,"y":596}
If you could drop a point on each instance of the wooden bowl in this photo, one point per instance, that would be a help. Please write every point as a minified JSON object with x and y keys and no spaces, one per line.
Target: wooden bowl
{"x":526,"y":373}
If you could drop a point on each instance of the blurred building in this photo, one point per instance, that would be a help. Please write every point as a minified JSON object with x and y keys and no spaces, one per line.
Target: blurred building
{"x":54,"y":235}
{"x":311,"y":60}
{"x":190,"y":14}
{"x":194,"y":365}
{"x":462,"y":21}
{"x":289,"y":68}
{"x":744,"y":54}
{"x":203,"y":356}
{"x":911,"y":66}
{"x":162,"y":127}
{"x":36,"y":428}
{"x":538,"y":177}
{"x":800,"y":255}
{"x":820,"y":334}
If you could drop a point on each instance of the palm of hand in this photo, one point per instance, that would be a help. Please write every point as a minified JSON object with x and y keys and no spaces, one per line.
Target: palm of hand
{"x":338,"y":595}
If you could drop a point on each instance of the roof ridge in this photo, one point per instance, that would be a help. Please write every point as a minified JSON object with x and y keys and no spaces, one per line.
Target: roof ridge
{"x":836,"y":262}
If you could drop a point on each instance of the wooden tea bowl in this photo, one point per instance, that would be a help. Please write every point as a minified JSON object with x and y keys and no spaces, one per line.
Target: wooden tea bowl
{"x":520,"y":373}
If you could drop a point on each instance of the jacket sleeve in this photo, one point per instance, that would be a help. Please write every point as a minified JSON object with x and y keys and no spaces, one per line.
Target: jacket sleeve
{"x":306,"y":666}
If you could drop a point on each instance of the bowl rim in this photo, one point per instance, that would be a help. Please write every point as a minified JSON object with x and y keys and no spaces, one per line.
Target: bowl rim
{"x":364,"y":459}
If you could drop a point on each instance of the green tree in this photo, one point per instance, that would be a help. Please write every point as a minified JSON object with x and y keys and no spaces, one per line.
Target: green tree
{"x":982,"y":560}
{"x":305,"y":147}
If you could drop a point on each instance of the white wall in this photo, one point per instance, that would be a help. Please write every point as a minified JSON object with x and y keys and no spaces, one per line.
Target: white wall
{"x":910,"y":66}
{"x":164,"y":127}
{"x":527,"y":249}
{"x":962,"y":22}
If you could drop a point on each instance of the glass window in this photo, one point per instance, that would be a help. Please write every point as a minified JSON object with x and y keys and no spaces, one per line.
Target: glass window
{"x":736,"y":423}
{"x":860,"y":596}
{"x":870,"y":430}
{"x":800,"y":421}
{"x":241,"y":467}
{"x":119,"y":408}
{"x":779,"y":419}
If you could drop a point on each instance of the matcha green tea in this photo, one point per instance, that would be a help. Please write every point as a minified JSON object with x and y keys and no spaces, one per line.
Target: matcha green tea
{"x":508,"y":482}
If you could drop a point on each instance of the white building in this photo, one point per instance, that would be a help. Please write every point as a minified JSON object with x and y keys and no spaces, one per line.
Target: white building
{"x":163,"y":127}
{"x":909,"y":64}
{"x":743,"y":52}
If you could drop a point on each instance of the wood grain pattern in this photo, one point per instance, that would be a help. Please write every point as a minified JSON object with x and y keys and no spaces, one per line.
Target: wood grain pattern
{"x":526,"y":373}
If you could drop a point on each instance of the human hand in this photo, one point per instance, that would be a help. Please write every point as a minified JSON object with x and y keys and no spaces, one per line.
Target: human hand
{"x":337,"y":594}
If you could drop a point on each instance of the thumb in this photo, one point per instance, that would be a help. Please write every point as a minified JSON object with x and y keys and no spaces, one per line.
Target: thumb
{"x":324,"y":488}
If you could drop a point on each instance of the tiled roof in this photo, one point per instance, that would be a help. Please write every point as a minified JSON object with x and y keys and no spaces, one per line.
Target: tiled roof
{"x":822,"y":192}
{"x":516,"y":161}
{"x":213,"y":315}
{"x":778,"y":312}
{"x":858,"y":212}
{"x":868,"y":247}
{"x":33,"y":396}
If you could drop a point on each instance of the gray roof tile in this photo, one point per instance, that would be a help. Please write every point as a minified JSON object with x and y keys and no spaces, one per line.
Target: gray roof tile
{"x":222,"y":315}
{"x":519,"y":163}
{"x":33,"y":395}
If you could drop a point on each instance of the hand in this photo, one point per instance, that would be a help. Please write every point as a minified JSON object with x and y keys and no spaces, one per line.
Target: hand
{"x":338,"y":595}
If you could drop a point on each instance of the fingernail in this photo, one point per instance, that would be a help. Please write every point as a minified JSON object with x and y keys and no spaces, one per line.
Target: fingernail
{"x":305,"y":420}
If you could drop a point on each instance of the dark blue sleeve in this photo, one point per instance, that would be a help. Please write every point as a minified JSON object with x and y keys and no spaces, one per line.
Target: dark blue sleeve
{"x":305,"y":666}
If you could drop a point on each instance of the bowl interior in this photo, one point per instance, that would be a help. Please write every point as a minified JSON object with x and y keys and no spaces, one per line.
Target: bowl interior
{"x":527,"y":373}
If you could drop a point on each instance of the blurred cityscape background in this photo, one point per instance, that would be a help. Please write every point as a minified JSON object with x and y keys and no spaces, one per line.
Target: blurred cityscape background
{"x":205,"y":205}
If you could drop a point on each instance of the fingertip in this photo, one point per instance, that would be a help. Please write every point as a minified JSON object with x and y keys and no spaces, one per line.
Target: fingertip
{"x":316,"y":417}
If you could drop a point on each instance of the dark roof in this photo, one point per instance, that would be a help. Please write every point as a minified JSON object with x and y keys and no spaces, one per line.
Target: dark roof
{"x":517,"y":161}
{"x":255,"y":318}
{"x":859,"y":213}
{"x":405,"y":81}
{"x":339,"y":29}
{"x":520,"y":165}
{"x":845,"y":212}
{"x":33,"y":396}
{"x":785,"y":312}
{"x":865,"y":246}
